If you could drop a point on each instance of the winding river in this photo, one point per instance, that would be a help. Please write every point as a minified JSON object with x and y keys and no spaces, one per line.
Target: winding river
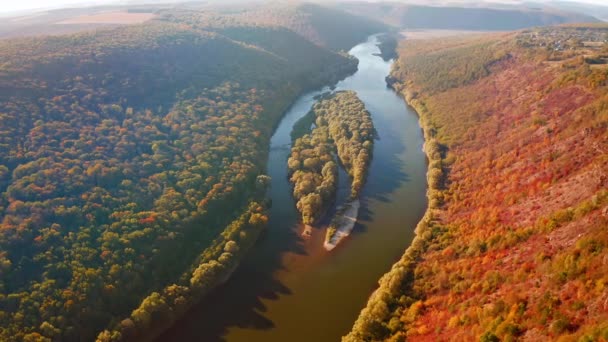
{"x":290,"y":288}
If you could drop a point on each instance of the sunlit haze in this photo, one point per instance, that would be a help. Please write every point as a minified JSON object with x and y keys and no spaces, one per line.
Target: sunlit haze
{"x":303,"y":170}
{"x":14,"y":6}
{"x":24,"y":5}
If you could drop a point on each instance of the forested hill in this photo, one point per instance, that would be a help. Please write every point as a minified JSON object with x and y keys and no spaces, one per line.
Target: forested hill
{"x":462,"y":18}
{"x":328,"y":27}
{"x":131,"y":168}
{"x":514,"y":244}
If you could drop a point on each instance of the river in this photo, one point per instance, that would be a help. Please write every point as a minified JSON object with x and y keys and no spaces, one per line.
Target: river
{"x":290,"y":288}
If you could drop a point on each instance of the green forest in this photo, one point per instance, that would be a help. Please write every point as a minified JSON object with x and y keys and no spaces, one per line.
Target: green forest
{"x":314,"y":174}
{"x":137,"y":140}
{"x":132,"y":164}
{"x":343,"y":128}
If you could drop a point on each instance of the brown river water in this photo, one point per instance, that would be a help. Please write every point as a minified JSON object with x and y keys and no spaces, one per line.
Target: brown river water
{"x":290,"y":288}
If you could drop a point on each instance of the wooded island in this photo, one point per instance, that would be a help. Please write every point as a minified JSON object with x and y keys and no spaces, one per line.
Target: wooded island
{"x":342,"y":129}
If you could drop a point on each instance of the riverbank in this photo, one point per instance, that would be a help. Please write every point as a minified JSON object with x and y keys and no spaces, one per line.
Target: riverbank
{"x":527,"y":194}
{"x":342,"y":225}
{"x":285,"y":277}
{"x":219,"y":261}
{"x":382,"y":301}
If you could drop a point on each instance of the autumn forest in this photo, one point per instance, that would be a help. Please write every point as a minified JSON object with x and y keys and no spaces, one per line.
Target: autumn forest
{"x":134,"y":168}
{"x":127,"y":161}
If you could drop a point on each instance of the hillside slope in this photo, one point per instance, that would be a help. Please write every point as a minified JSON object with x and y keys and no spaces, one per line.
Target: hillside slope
{"x":335,"y":29}
{"x":515,"y":241}
{"x":329,"y":27}
{"x":131,"y":169}
{"x":401,"y":15}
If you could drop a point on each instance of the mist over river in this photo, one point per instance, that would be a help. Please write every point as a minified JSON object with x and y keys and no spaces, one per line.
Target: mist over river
{"x":289,"y":288}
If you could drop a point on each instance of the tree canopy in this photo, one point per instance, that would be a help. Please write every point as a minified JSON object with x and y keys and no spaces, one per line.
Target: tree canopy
{"x":131,"y":167}
{"x":342,"y":127}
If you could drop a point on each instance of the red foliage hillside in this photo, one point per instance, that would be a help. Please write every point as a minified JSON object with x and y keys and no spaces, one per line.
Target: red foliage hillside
{"x":518,"y":245}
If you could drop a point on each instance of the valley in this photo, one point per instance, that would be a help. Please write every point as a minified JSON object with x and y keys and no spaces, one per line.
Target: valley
{"x":514,"y":242}
{"x":289,"y":279}
{"x":298,"y":171}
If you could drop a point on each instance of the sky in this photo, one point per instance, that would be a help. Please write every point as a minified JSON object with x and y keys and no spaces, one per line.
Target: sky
{"x":21,"y":5}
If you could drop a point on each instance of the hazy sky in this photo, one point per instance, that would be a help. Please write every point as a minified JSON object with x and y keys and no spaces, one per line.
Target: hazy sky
{"x":18,"y":5}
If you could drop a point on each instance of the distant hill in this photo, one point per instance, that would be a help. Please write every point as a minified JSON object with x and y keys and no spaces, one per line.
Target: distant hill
{"x":479,"y":18}
{"x":325,"y":26}
{"x":597,"y":11}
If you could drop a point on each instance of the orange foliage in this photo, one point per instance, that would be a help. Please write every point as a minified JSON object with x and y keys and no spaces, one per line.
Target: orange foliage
{"x":525,"y":208}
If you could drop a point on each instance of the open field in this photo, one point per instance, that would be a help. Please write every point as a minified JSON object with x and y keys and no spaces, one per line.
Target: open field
{"x":73,"y":20}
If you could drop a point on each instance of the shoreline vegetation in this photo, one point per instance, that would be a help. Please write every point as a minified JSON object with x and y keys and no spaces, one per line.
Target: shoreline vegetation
{"x":387,"y":43}
{"x":380,"y":316}
{"x":370,"y":322}
{"x":314,"y":174}
{"x":338,"y":125}
{"x":132,"y":174}
{"x":513,"y":243}
{"x":161,"y":309}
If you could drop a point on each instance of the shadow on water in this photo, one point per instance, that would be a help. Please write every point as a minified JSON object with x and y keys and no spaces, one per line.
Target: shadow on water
{"x":238,"y":302}
{"x":392,"y":177}
{"x":286,"y":281}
